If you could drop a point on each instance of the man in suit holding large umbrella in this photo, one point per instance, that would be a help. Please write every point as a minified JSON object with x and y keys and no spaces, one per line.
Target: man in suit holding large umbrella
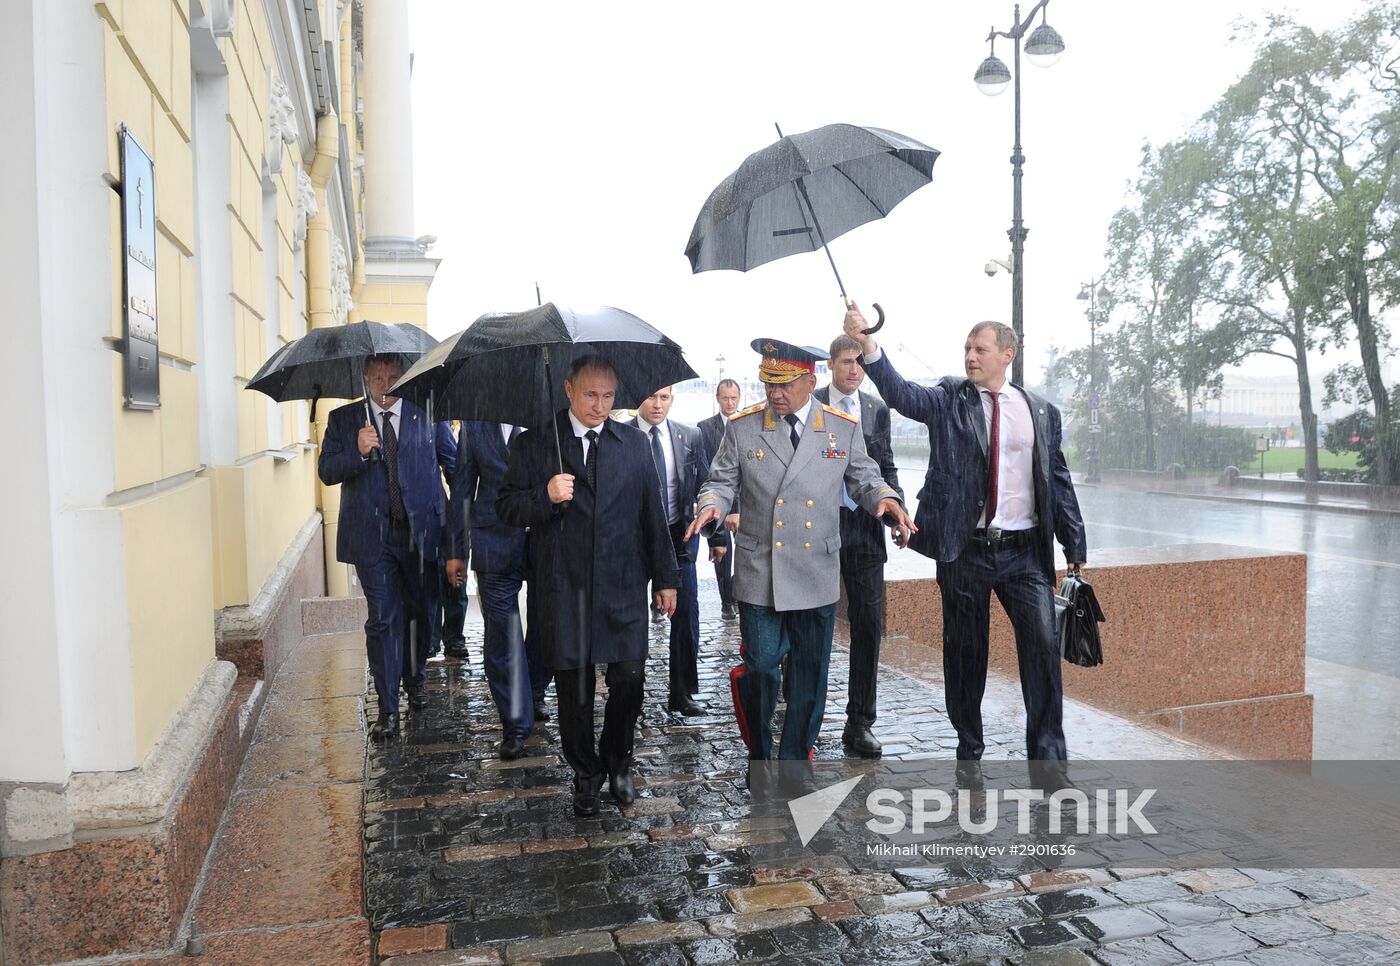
{"x":997,"y":496}
{"x":390,"y":528}
{"x":598,"y":535}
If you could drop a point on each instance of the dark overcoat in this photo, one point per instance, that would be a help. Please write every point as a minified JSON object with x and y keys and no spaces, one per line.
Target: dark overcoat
{"x":594,"y":558}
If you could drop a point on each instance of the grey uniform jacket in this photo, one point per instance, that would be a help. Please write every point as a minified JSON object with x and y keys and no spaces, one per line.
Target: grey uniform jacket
{"x":786,"y":551}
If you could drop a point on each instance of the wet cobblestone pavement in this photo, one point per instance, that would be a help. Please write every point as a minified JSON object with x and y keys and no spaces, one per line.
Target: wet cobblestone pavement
{"x":469,"y":859}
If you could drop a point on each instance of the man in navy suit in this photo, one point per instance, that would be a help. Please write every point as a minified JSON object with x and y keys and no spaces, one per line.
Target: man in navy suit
{"x":997,"y":495}
{"x":682,"y":464}
{"x":863,"y":552}
{"x":514,"y":669}
{"x":391,"y":516}
{"x":598,"y":535}
{"x":727,"y":395}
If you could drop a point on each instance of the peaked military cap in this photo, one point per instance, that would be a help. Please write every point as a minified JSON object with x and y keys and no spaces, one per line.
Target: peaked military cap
{"x":783,"y":361}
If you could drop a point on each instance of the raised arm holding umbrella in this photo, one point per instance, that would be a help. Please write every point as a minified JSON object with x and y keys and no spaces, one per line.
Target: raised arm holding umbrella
{"x":803,"y":191}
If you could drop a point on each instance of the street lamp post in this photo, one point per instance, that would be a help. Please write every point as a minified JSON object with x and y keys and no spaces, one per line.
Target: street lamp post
{"x":1097,"y":294}
{"x":1043,"y":47}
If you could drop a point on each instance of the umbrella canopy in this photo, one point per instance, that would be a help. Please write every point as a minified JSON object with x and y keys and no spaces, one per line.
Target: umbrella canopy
{"x":804,"y":190}
{"x":510,"y":367}
{"x":328,"y":362}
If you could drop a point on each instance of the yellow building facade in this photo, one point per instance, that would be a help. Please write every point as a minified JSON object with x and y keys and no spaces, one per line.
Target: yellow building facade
{"x":155,"y":552}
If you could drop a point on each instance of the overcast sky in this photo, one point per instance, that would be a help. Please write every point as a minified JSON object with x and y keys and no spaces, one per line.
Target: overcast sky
{"x":574,"y":143}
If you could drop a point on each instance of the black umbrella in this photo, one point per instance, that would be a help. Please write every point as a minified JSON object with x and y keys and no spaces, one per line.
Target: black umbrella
{"x":329,"y":362}
{"x":804,"y":190}
{"x":510,"y":367}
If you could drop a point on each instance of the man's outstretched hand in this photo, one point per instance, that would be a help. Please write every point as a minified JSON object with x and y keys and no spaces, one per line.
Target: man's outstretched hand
{"x":892,"y":507}
{"x":702,"y":519}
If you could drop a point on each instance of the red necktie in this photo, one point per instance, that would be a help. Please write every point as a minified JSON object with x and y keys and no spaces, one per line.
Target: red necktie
{"x":994,"y":458}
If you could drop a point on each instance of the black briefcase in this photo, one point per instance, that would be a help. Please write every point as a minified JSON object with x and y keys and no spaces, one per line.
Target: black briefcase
{"x":1077,"y":619}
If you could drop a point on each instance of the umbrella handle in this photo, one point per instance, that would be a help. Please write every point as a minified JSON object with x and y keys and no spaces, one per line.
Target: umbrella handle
{"x":876,"y":327}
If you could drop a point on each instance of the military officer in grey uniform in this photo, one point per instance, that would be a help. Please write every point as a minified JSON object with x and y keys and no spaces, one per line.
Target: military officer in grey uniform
{"x":791,"y":455}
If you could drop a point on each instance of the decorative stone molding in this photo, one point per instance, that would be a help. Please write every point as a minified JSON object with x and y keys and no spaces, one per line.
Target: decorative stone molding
{"x":341,"y":303}
{"x":306,"y":207}
{"x":141,"y":796}
{"x":281,"y":121}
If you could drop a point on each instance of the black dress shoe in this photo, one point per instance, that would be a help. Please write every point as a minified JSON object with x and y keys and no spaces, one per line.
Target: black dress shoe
{"x":684,"y":705}
{"x":417,"y":700}
{"x":728,"y":613}
{"x":620,"y":783}
{"x":512,"y":748}
{"x":586,"y":796}
{"x":386,"y":727}
{"x":858,"y":740}
{"x":457,"y":650}
{"x":968,"y":774}
{"x":541,"y":711}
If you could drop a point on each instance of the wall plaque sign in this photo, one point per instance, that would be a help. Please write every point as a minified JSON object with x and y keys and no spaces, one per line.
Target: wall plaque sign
{"x":141,"y":335}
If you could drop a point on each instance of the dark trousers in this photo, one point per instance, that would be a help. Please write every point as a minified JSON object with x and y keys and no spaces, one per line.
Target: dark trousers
{"x":515,"y":674}
{"x":401,"y":594}
{"x":451,"y":614}
{"x":575,"y":687}
{"x":685,"y":622}
{"x":769,"y":636}
{"x":966,"y":584}
{"x":724,"y":570}
{"x":864,"y":578}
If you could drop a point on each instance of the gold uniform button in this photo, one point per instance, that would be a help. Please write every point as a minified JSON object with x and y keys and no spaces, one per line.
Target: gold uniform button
{"x":780,"y":501}
{"x":809,"y":524}
{"x":809,"y":502}
{"x":779,"y":545}
{"x":807,"y":546}
{"x":778,"y":524}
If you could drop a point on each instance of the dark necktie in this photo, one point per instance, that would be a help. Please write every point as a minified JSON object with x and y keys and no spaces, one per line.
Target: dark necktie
{"x":590,"y":462}
{"x":794,"y":433}
{"x":994,"y":457}
{"x":391,"y":466}
{"x":658,"y":456}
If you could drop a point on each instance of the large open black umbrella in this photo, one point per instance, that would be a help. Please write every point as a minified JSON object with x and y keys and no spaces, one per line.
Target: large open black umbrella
{"x":804,"y":190}
{"x":329,"y":362}
{"x":510,"y":367}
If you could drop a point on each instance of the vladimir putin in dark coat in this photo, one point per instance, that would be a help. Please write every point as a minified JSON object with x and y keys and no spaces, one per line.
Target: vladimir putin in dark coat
{"x":598,"y":535}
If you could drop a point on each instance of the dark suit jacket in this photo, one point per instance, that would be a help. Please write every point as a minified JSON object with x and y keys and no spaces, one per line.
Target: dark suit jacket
{"x":693,"y":458}
{"x":364,"y":485}
{"x":712,"y":428}
{"x":954,"y":490}
{"x":864,"y":535}
{"x":473,"y":528}
{"x":594,"y":559}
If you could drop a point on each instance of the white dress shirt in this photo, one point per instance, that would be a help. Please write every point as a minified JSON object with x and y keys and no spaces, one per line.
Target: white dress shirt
{"x":396,"y":410}
{"x":668,"y":450}
{"x":1016,"y":459}
{"x":582,"y":431}
{"x":801,"y":415}
{"x":506,"y":430}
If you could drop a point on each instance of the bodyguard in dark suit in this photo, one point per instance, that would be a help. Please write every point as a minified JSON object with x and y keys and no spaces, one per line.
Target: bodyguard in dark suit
{"x":863,"y":552}
{"x":727,"y":395}
{"x":391,"y":520}
{"x":515,"y":669}
{"x":997,"y":496}
{"x":682,"y":463}
{"x":598,"y":535}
